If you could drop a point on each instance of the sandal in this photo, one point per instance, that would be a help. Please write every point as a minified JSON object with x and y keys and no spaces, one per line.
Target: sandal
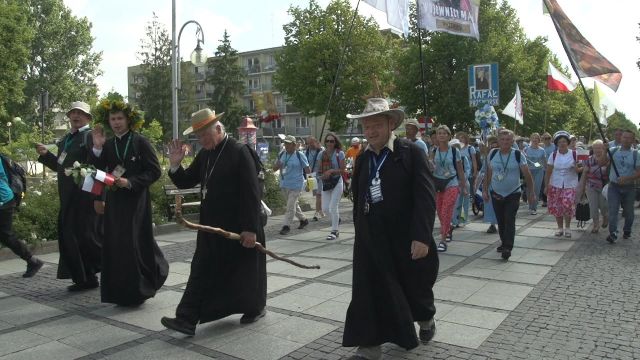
{"x":442,"y":246}
{"x":449,"y":236}
{"x":567,"y":234}
{"x":559,"y":232}
{"x":595,"y":230}
{"x":334,"y":235}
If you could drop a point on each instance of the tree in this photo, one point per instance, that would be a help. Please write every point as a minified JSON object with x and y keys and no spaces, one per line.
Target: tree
{"x":309,"y":62}
{"x":61,"y":59}
{"x":521,"y":60}
{"x":226,"y":77}
{"x":155,"y":89}
{"x":15,"y":41}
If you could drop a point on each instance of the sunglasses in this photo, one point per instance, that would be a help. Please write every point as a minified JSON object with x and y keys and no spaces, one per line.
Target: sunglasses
{"x":329,"y":141}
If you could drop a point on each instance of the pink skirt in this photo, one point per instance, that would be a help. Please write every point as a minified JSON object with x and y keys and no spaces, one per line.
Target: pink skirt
{"x":561,"y":202}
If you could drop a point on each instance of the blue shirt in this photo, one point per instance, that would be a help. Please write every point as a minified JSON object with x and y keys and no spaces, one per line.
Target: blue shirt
{"x":469,"y":153}
{"x":6,"y":194}
{"x":624,"y":163}
{"x":444,"y":165}
{"x":536,"y":156}
{"x":506,"y":166}
{"x":291,"y":170}
{"x":422,"y":145}
{"x":548,"y":150}
{"x":313,"y":157}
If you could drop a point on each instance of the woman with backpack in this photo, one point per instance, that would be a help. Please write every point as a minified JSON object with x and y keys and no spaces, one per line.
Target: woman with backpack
{"x":536,"y":160}
{"x":448,"y":169}
{"x":332,"y":167}
{"x":562,"y":180}
{"x":594,"y":177}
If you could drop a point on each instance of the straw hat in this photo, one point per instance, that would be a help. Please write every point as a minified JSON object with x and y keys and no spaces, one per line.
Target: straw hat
{"x":202,"y":119}
{"x":82,"y":106}
{"x":379,"y":106}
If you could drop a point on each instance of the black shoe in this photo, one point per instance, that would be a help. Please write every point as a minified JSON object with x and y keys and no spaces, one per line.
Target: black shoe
{"x":33,"y":266}
{"x":285,"y":230}
{"x":506,"y":254}
{"x":427,"y":334}
{"x":626,"y":235}
{"x":449,"y":236}
{"x":492,"y":229}
{"x":303,"y":223}
{"x":611,"y":239}
{"x":88,"y":285}
{"x":544,"y":204}
{"x":178,"y":325}
{"x":251,"y":318}
{"x":499,"y":248}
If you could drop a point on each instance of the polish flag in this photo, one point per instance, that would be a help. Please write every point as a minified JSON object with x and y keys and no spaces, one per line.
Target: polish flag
{"x":105,"y":178}
{"x":92,"y":186}
{"x":557,"y":81}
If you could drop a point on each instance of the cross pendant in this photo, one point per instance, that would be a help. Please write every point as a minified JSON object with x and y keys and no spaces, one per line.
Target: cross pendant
{"x":204,"y":193}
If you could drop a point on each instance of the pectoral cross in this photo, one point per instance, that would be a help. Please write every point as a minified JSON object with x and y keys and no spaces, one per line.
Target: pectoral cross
{"x":204,"y":193}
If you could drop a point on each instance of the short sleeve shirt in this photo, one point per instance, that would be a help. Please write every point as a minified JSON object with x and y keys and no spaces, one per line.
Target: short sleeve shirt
{"x":624,"y":163}
{"x":291,"y":172}
{"x":422,"y":145}
{"x":505,"y":179}
{"x":564,"y":174}
{"x":536,"y":156}
{"x":469,"y":153}
{"x":444,"y":166}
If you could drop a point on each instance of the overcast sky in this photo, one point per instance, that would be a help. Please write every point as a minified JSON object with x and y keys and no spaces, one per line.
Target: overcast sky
{"x":118,"y":26}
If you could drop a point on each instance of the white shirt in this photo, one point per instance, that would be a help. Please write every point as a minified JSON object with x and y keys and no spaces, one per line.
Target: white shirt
{"x":564,"y":174}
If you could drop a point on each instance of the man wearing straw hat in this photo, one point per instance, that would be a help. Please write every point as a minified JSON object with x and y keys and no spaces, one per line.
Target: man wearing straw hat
{"x":395,"y":262}
{"x":227,"y":277}
{"x":79,"y":240}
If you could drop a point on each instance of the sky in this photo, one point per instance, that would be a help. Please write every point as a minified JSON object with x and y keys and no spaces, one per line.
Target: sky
{"x":612,"y":29}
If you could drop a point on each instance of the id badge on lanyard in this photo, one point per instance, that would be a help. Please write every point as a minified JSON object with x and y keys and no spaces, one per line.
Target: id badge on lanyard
{"x":375,"y":189}
{"x":61,"y":157}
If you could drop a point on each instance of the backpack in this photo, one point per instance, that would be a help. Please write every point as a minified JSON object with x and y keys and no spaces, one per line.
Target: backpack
{"x":518,"y":157}
{"x":261,"y":185}
{"x":17,"y":179}
{"x":575,"y":156}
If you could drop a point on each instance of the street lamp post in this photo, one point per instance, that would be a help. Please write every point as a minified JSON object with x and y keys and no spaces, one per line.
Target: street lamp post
{"x":198,"y":58}
{"x":9,"y":127}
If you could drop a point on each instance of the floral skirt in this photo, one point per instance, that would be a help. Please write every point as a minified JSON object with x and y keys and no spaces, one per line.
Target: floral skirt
{"x":561,"y":201}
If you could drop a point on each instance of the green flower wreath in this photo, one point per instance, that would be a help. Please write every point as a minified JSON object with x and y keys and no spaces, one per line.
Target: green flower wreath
{"x":106,"y":107}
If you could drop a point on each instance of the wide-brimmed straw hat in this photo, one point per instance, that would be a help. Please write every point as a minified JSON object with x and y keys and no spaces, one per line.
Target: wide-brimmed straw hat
{"x":82,"y":106}
{"x":201,"y":119}
{"x":379,"y":106}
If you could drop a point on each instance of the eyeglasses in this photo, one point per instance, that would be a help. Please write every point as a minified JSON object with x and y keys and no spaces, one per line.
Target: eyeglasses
{"x":329,"y":141}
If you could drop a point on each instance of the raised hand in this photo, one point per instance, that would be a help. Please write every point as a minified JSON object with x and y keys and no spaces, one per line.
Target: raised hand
{"x":41,"y":149}
{"x":98,"y":137}
{"x":177,"y":150}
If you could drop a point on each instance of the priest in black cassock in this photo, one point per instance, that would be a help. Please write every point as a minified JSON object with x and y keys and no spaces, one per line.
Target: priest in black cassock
{"x":79,"y":238}
{"x":227,"y":277}
{"x":395,"y":262}
{"x":133,"y":267}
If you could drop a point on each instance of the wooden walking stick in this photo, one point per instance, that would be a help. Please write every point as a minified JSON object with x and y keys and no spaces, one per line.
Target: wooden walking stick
{"x":230,"y":235}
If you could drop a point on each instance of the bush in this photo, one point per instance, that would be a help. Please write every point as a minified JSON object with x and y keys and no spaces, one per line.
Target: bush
{"x":37,"y":219}
{"x":273,"y":196}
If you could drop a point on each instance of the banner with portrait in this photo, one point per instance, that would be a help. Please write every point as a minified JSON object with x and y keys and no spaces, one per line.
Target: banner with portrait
{"x":484,"y":87}
{"x":458,"y":17}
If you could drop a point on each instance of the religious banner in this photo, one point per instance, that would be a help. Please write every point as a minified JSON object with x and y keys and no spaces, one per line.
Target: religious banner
{"x":587,"y":61}
{"x":483,"y":85}
{"x":458,"y":17}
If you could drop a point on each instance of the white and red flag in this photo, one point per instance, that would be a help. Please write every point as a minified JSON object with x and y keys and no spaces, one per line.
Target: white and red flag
{"x":557,"y":81}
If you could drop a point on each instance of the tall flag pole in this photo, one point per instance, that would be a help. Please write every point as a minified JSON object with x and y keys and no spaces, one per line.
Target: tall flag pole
{"x":585,"y":60}
{"x":424,"y":90}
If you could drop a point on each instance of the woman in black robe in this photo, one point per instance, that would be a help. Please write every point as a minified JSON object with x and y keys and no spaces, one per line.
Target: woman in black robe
{"x":133,"y":267}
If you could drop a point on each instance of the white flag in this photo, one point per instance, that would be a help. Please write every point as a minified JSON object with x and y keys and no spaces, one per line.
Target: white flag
{"x":397,"y":12}
{"x":514,"y":107}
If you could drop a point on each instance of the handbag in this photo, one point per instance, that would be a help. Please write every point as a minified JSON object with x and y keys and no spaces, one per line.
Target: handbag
{"x":330,"y":183}
{"x":582,"y":214}
{"x":441,"y":184}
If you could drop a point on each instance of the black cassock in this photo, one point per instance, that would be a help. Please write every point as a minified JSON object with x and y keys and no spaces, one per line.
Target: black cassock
{"x":79,"y":237}
{"x":225,"y":278}
{"x":390,"y":290}
{"x":133,"y":267}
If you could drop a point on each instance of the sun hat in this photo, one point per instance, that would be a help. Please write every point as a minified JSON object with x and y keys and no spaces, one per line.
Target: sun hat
{"x":202,"y":119}
{"x":560,"y":134}
{"x":413,"y":122}
{"x":355,"y":140}
{"x":455,"y":142}
{"x":82,"y":106}
{"x":379,"y":106}
{"x":289,"y":139}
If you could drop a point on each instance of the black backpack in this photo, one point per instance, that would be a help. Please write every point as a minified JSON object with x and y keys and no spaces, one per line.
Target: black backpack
{"x":17,"y":179}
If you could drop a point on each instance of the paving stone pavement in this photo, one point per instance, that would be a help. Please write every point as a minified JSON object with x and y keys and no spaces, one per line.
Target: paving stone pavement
{"x":556,"y":298}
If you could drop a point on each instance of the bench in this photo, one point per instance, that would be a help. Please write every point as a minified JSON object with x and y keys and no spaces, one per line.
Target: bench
{"x":191,"y":198}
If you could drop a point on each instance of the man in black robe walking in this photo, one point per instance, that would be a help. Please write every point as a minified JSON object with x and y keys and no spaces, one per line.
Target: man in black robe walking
{"x":79,"y":240}
{"x":395,"y":264}
{"x":227,"y":277}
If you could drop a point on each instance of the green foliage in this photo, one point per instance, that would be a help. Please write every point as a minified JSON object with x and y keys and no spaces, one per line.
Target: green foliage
{"x":226,"y":77}
{"x":308,"y":64}
{"x":153,"y":132}
{"x":273,"y":195}
{"x":61,"y":59}
{"x":37,"y":218}
{"x":620,"y":121}
{"x":155,"y":58}
{"x":15,"y":39}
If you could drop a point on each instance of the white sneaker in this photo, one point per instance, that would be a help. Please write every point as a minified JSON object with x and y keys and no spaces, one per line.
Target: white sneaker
{"x":533,"y":212}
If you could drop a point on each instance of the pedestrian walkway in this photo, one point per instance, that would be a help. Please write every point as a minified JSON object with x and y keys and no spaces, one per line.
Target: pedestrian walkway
{"x":555,"y":298}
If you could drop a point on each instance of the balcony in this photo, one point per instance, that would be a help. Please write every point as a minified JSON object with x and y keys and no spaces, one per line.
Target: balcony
{"x":253,"y":69}
{"x":306,"y":131}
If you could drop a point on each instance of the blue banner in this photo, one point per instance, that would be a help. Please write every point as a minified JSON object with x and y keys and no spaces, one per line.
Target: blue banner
{"x":484,"y":87}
